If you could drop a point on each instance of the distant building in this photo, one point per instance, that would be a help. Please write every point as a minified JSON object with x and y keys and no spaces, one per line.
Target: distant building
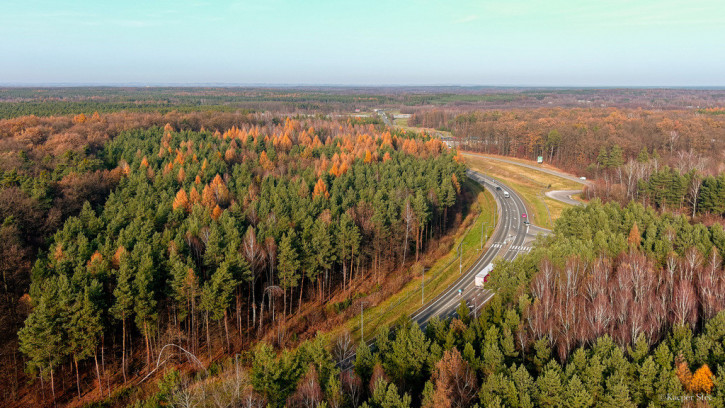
{"x":449,"y":141}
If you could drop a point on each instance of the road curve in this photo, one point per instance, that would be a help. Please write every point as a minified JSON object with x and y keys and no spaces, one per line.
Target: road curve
{"x":565,"y":196}
{"x":507,"y":241}
{"x":533,"y":167}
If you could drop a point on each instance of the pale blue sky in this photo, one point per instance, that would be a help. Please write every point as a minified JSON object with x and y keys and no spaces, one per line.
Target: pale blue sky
{"x":499,"y":42}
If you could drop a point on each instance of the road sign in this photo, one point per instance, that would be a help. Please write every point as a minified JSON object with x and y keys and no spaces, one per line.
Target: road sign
{"x":540,"y":159}
{"x":523,"y":215}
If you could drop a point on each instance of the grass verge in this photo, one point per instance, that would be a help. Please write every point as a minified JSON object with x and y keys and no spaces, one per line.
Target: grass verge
{"x":441,"y":274}
{"x":531,"y":185}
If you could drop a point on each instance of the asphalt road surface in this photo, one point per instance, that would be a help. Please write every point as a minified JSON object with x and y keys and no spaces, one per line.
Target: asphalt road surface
{"x":510,"y":238}
{"x":531,"y":166}
{"x":559,"y":195}
{"x":564,"y":196}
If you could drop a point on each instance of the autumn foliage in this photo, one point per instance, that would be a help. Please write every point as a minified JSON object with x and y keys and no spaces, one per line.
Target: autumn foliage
{"x":321,"y":189}
{"x":701,"y":382}
{"x":572,"y":138}
{"x":455,"y":382}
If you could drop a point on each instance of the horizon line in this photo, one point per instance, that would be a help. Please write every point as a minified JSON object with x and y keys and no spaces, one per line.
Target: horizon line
{"x":333,"y":85}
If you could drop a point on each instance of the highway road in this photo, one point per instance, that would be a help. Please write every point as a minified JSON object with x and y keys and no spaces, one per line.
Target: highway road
{"x":559,"y":195}
{"x":531,"y":166}
{"x":565,"y":196}
{"x":510,"y":238}
{"x":385,"y":118}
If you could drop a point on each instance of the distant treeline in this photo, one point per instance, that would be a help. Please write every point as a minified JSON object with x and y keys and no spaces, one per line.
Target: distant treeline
{"x":574,"y":139}
{"x":315,"y":100}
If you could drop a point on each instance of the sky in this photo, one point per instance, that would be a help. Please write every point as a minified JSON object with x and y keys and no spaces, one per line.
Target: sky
{"x":374,"y":42}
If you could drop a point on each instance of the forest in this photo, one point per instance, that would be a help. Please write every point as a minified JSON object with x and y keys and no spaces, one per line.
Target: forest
{"x":573,"y":139}
{"x":208,"y":239}
{"x":626,"y":314}
{"x":138,"y":221}
{"x":324,"y":100}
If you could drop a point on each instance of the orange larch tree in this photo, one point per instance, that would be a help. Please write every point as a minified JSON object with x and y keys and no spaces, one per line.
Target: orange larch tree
{"x":181,"y":200}
{"x":320,"y":189}
{"x":702,"y":382}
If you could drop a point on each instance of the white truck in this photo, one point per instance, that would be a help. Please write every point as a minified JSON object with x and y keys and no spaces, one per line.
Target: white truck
{"x":506,"y":194}
{"x":482,"y":277}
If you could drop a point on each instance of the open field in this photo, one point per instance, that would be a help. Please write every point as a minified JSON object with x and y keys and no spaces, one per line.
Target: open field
{"x":441,"y":274}
{"x":544,"y":165}
{"x":531,"y":184}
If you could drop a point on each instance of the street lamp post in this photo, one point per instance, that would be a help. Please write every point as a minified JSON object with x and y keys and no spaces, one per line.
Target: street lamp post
{"x":362,"y":321}
{"x":475,"y":309}
{"x":422,"y":286}
{"x":483,"y":224}
{"x":460,"y":258}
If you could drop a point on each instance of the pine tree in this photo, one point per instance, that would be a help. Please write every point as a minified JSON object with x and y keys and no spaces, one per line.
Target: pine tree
{"x":364,"y":362}
{"x":348,"y":242}
{"x":615,"y":158}
{"x":123,"y":306}
{"x":240,"y":272}
{"x":222,"y":287}
{"x":144,"y":301}
{"x":275,"y":378}
{"x":617,"y":396}
{"x":646,"y":381}
{"x":84,"y":330}
{"x":576,"y":394}
{"x":550,"y":390}
{"x":288,"y":265}
{"x":448,"y":198}
{"x":323,"y":254}
{"x":422,"y":215}
{"x":525,"y":385}
{"x":214,"y":248}
{"x":463,"y":312}
{"x":206,"y":303}
{"x":643,"y":156}
{"x":43,"y":338}
{"x":407,"y":359}
{"x":177,"y":284}
{"x":385,"y":395}
{"x":603,"y":157}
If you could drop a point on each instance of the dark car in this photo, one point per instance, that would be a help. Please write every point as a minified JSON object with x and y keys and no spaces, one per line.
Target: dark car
{"x":498,"y":188}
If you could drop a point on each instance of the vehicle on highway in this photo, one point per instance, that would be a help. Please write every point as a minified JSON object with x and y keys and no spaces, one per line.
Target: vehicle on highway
{"x":482,"y":277}
{"x":498,"y":188}
{"x":506,"y":194}
{"x":582,"y":178}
